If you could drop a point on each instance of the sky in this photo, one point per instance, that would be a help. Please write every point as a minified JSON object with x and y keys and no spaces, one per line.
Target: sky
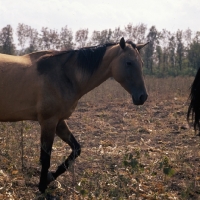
{"x":102,"y":14}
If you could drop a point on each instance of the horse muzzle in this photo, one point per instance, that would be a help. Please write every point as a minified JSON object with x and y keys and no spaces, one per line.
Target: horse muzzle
{"x":140,"y":99}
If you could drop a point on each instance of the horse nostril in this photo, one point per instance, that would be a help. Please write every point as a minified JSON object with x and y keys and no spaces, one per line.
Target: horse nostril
{"x":143,"y":97}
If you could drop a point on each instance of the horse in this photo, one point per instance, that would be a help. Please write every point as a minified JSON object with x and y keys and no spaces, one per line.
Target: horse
{"x":45,"y":86}
{"x":194,"y":106}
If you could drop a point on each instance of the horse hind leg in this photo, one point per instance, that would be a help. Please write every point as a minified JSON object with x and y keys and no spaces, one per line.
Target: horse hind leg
{"x":65,"y":134}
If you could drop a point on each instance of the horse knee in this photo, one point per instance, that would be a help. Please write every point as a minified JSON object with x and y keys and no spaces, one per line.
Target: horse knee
{"x":77,"y":150}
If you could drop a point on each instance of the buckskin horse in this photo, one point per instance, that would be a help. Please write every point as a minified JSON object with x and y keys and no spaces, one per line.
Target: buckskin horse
{"x":46,"y":86}
{"x":194,"y":107}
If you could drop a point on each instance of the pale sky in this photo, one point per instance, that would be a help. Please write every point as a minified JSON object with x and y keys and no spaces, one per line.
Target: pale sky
{"x":102,"y":14}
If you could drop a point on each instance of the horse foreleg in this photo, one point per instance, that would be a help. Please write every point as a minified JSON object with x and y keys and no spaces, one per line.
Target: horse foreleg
{"x":47,"y":137}
{"x":65,"y":134}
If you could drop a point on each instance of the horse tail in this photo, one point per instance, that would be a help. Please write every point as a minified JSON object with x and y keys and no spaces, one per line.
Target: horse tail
{"x":194,"y":107}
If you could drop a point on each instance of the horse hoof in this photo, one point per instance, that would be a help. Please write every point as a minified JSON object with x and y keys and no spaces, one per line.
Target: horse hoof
{"x":42,"y":188}
{"x":50,"y":178}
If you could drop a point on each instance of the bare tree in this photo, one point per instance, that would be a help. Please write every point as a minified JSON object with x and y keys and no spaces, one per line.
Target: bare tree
{"x":81,"y":37}
{"x":180,"y":48}
{"x":117,"y":34}
{"x":66,"y":38}
{"x":22,"y":34}
{"x":6,"y":40}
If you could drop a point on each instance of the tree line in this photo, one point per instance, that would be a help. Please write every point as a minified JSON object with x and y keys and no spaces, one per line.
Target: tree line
{"x":167,"y":53}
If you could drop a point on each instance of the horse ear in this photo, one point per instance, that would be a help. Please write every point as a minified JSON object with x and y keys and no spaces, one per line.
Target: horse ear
{"x":140,"y":46}
{"x":122,"y":43}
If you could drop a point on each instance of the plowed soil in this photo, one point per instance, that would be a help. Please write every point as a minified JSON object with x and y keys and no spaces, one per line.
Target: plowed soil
{"x":128,"y":151}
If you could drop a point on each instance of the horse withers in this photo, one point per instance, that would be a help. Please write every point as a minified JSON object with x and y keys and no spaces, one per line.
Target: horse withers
{"x":46,"y":86}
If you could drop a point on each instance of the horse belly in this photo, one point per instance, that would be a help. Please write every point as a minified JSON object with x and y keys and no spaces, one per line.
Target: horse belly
{"x":17,"y":97}
{"x":14,"y":107}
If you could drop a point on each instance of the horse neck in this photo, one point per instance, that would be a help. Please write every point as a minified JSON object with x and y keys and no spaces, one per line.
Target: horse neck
{"x":103,"y":72}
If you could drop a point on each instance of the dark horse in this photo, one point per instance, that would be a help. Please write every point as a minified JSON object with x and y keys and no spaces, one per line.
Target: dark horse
{"x":46,"y":86}
{"x":194,"y":107}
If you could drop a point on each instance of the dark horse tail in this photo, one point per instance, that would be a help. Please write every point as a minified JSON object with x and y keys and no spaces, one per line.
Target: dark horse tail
{"x":194,"y":107}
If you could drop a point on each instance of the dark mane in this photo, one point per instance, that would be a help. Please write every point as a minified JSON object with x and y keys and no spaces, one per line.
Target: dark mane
{"x":194,"y":107}
{"x":88,"y":58}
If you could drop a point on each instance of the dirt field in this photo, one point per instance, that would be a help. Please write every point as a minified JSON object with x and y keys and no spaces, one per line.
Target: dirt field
{"x":128,"y":152}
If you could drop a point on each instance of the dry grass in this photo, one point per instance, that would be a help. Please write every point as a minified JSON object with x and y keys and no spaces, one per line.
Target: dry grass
{"x":128,"y":152}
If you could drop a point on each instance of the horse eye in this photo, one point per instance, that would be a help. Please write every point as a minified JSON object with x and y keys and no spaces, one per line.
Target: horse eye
{"x":129,"y":63}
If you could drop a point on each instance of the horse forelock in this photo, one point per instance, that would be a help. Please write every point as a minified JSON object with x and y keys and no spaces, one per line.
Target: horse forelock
{"x":131,"y":43}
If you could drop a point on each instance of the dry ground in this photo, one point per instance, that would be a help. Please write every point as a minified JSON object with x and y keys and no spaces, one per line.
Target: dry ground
{"x":128,"y":152}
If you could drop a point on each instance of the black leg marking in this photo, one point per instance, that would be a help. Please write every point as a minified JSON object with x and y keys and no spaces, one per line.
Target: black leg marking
{"x":47,"y":136}
{"x":76,"y":151}
{"x":45,"y":161}
{"x":65,"y":134}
